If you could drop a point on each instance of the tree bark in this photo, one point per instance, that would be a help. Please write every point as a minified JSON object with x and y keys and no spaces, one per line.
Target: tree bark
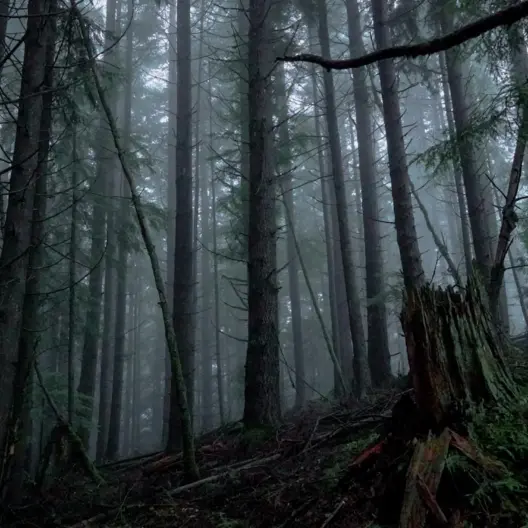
{"x":454,"y":357}
{"x":18,"y":224}
{"x":413,"y":273}
{"x":183,"y":247}
{"x":293,"y":264}
{"x":262,"y":379}
{"x":361,"y":369}
{"x":378,"y":341}
{"x":189,"y":461}
{"x":112,"y":448}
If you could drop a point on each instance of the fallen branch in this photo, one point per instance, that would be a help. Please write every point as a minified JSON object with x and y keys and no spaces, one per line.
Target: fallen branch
{"x":331,"y":517}
{"x":230,"y":470}
{"x":309,"y":441}
{"x":97,"y":519}
{"x":131,"y":460}
{"x":345,"y":431}
{"x":505,"y":17}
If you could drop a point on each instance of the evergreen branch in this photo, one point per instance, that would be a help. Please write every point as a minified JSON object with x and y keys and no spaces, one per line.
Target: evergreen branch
{"x":505,"y":17}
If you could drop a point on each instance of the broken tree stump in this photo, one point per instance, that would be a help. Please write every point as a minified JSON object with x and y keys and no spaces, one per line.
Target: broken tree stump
{"x":455,"y":357}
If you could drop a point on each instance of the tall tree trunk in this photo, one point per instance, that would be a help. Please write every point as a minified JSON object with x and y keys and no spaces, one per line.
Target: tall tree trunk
{"x":459,"y":184}
{"x":413,"y":273}
{"x":13,"y":471}
{"x":293,"y":265}
{"x":18,"y":224}
{"x":112,"y":449}
{"x":189,"y":459}
{"x":72,"y":307}
{"x":341,"y":341}
{"x":206,"y":312}
{"x":378,"y":341}
{"x":136,"y":384}
{"x":262,"y":384}
{"x":171,"y":187}
{"x":183,"y":248}
{"x":216,"y":277}
{"x":98,"y":251}
{"x":476,"y":200}
{"x":361,"y":369}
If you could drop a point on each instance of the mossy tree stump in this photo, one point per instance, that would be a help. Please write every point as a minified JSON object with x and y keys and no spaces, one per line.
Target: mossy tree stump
{"x":455,"y":353}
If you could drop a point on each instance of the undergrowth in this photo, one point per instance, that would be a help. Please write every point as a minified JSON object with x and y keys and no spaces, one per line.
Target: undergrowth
{"x":500,"y":500}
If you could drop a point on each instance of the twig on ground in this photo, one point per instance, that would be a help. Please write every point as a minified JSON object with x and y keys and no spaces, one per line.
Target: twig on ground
{"x":309,"y":442}
{"x":213,"y":478}
{"x":331,"y":517}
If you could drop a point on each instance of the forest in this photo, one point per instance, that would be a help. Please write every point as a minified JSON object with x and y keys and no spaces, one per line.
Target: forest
{"x":263,"y":263}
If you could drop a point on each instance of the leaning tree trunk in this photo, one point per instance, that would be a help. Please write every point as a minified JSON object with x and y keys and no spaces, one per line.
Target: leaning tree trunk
{"x":455,"y":356}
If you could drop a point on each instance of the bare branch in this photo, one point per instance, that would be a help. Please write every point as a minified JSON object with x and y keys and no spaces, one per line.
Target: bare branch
{"x":505,"y":17}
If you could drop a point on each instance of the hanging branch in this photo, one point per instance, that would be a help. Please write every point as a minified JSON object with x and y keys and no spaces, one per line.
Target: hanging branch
{"x":505,"y":17}
{"x":191,"y":469}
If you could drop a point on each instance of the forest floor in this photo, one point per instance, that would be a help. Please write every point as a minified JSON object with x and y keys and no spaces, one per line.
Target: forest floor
{"x":328,"y":467}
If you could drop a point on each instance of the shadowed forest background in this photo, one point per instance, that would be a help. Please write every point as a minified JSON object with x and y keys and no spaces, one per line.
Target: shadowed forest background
{"x":284,"y":235}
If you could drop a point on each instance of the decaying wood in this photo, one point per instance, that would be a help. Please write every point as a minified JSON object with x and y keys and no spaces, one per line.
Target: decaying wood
{"x":423,"y":478}
{"x":471,"y":451}
{"x":455,"y":356}
{"x":96,"y":520}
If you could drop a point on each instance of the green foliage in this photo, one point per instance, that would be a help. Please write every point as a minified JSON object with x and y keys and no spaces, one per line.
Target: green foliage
{"x":502,"y":435}
{"x":56,"y":384}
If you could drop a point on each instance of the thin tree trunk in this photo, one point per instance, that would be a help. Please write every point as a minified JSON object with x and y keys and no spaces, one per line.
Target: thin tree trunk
{"x":216,"y":277}
{"x":413,"y":273}
{"x":92,"y":331}
{"x":293,"y":266}
{"x":73,"y":277}
{"x":112,"y":449}
{"x":476,"y":201}
{"x":361,"y":369}
{"x":183,"y":264}
{"x":171,"y":185}
{"x":136,"y":396}
{"x":378,"y":341}
{"x":459,"y":184}
{"x":189,"y":461}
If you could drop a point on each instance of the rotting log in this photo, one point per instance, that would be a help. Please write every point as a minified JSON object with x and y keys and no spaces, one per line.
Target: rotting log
{"x":455,"y":354}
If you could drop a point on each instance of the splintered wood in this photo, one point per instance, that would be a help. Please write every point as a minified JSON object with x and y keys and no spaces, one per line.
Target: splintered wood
{"x":425,"y":472}
{"x":423,"y":478}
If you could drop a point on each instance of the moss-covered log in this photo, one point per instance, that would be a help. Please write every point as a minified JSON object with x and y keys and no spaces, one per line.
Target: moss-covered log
{"x":455,"y":355}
